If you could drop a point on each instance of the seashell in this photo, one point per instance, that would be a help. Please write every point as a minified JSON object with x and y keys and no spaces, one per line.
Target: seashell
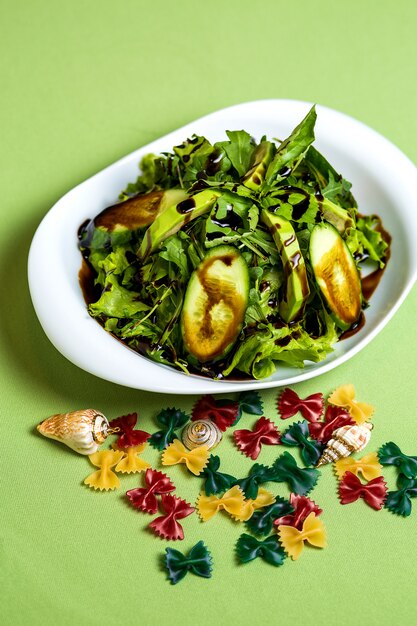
{"x":83,"y":431}
{"x":201,"y":433}
{"x":345,"y":441}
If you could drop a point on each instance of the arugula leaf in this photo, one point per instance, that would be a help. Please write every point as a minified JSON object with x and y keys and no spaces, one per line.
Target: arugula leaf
{"x":332,"y":185}
{"x":230,"y":218}
{"x":174,"y":251}
{"x":239,"y":150}
{"x":157,"y":172}
{"x":194,"y":152}
{"x":291,"y":150}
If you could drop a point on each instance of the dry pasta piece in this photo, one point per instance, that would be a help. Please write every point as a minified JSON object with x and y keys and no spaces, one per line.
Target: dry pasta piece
{"x":292,"y":540}
{"x":131,"y":462}
{"x":289,"y":404}
{"x":167,"y":526}
{"x":195,"y":460}
{"x":345,"y":396}
{"x":144,"y":498}
{"x":128,"y":436}
{"x":232,"y":502}
{"x":264,"y":498}
{"x":374,"y":492}
{"x":250,"y":441}
{"x":104,"y":479}
{"x":368,"y":466}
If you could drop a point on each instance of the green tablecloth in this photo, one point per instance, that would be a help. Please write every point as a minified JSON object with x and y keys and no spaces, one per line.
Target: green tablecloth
{"x":82,"y":84}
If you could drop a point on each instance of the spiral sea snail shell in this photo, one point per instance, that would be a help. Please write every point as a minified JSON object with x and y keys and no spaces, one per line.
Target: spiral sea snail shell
{"x":83,"y":431}
{"x":345,"y":441}
{"x":201,"y":433}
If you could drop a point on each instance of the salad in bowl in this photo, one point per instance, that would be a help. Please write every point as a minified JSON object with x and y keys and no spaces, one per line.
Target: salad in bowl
{"x":231,"y":259}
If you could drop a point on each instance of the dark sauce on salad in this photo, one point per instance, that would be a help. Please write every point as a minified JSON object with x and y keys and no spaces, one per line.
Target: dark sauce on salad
{"x":300,"y":208}
{"x":230,"y":220}
{"x":355,"y":328}
{"x":91,"y":292}
{"x":371,"y":282}
{"x":186,"y":206}
{"x":214,"y":162}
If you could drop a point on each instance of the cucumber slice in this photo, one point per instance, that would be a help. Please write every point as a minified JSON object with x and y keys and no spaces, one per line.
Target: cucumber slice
{"x":215,"y":304}
{"x":336,"y":274}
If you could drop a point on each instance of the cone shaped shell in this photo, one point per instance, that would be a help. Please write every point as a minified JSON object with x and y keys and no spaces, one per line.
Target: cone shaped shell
{"x":83,"y":431}
{"x":345,"y":441}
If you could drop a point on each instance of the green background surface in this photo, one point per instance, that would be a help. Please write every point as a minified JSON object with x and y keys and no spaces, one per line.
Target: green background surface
{"x":82,"y":84}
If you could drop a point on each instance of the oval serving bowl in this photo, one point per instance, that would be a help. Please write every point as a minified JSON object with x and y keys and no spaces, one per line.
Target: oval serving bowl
{"x":383,"y":181}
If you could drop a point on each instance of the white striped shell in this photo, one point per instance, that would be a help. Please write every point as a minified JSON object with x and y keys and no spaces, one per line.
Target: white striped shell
{"x":345,"y":441}
{"x":201,"y":433}
{"x":83,"y":431}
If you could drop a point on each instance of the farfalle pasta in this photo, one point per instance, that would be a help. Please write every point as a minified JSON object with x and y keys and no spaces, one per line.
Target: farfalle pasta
{"x":144,"y":498}
{"x":312,"y":532}
{"x":104,"y":479}
{"x":262,"y":520}
{"x":198,"y":561}
{"x":232,"y":502}
{"x":390,"y":454}
{"x":249,"y":548}
{"x":301,"y":507}
{"x":128,"y":437}
{"x":195,"y":460}
{"x":215,"y":481}
{"x":344,"y":396}
{"x":170,"y":420}
{"x":299,"y":479}
{"x":131,"y":463}
{"x":298,"y":435}
{"x":250,"y":442}
{"x":399,"y":502}
{"x":334,"y":418}
{"x":167,"y":526}
{"x":223,"y":413}
{"x":264,"y":498}
{"x":289,"y":404}
{"x":368,"y":466}
{"x":374,"y":492}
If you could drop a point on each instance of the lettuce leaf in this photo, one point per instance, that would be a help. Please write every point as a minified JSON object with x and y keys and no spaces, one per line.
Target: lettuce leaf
{"x":260,"y":352}
{"x":117,"y":301}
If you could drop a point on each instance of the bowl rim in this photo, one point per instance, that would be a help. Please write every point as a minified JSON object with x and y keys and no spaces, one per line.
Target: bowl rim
{"x":176,"y":382}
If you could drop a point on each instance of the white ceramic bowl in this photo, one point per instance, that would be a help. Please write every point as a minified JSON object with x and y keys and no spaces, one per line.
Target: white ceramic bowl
{"x":384,"y":182}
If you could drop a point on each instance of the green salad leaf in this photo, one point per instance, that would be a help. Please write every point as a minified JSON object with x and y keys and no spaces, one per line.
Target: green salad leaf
{"x":235,"y":203}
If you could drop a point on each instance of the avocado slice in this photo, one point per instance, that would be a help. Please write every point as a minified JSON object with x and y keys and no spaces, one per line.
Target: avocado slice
{"x":336,"y":274}
{"x":138,"y":211}
{"x":255,"y":176}
{"x":115,"y":224}
{"x":215,"y":304}
{"x":173,"y":218}
{"x":296,"y":289}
